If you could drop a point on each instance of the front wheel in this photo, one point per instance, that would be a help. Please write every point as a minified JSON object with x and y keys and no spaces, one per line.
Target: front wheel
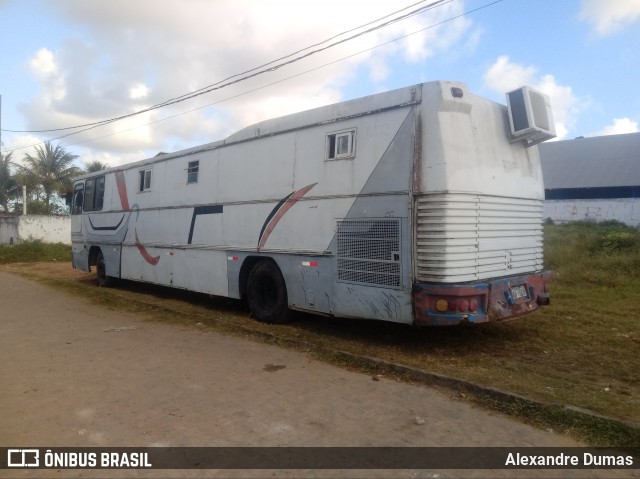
{"x":101,"y":271}
{"x":267,"y":293}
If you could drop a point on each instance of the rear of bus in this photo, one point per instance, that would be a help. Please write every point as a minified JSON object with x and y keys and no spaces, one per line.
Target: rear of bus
{"x":478,"y":206}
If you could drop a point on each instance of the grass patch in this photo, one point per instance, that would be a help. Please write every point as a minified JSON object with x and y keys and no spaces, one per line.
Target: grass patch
{"x":581,"y":351}
{"x":34,"y":251}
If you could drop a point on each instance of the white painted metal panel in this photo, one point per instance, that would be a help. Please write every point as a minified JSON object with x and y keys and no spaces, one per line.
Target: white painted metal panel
{"x":466,"y":147}
{"x":466,"y":237}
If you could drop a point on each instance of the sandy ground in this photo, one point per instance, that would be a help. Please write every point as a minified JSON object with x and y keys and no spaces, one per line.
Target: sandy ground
{"x":81,"y":375}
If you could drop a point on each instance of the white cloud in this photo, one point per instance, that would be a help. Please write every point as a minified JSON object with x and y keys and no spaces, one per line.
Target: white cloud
{"x":44,"y":66}
{"x":609,"y":16}
{"x":136,"y":54}
{"x":20,"y":145}
{"x":139,"y":90}
{"x":43,"y":63}
{"x":504,"y":76}
{"x":619,"y":126}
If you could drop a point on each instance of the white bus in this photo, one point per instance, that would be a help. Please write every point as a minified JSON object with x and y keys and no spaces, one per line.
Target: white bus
{"x":422,"y":205}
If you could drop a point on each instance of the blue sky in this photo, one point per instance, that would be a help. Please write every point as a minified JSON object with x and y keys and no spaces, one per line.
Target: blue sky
{"x":67,"y":63}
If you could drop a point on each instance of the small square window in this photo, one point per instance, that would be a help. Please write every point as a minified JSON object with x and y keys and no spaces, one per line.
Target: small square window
{"x":341,"y":145}
{"x":192,"y":171}
{"x":145,"y":180}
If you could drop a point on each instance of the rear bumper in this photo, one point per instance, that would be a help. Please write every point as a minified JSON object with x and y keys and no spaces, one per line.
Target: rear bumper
{"x":479,"y":302}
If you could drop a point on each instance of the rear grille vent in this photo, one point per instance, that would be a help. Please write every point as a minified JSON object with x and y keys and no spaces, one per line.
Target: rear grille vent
{"x":369,"y":252}
{"x":465,"y":237}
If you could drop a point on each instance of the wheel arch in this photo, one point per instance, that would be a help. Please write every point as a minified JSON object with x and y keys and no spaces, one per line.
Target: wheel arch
{"x":247,"y":265}
{"x":93,"y":255}
{"x":266,"y":291}
{"x":111,"y":257}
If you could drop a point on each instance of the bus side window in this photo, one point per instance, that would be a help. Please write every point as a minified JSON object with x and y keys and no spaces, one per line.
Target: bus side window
{"x":89,"y":193}
{"x":78,"y":196}
{"x":94,"y":194}
{"x":99,"y":198}
{"x":341,"y":144}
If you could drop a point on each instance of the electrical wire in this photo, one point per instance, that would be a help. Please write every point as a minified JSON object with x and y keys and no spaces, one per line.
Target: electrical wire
{"x":259,"y":70}
{"x":217,"y":86}
{"x":282,"y":80}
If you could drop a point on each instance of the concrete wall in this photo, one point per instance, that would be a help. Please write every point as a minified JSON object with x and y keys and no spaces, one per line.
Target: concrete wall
{"x":8,"y":230}
{"x":626,"y":210}
{"x":50,"y":229}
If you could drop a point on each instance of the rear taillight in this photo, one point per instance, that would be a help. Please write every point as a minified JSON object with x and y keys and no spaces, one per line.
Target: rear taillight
{"x":442,"y":305}
{"x":456,"y":304}
{"x":463,"y":305}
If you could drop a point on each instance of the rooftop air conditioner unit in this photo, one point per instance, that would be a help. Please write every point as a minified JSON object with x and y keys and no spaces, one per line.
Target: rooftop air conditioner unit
{"x":530,"y":116}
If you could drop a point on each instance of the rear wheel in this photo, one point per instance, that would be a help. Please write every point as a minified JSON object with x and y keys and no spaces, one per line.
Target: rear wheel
{"x":267,"y":293}
{"x":101,"y":271}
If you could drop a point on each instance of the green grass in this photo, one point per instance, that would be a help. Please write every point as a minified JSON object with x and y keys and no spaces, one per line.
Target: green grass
{"x":34,"y":251}
{"x":604,"y":254}
{"x":581,"y":351}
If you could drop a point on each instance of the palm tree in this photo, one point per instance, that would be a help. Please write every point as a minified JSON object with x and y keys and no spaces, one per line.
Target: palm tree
{"x":52,"y":168}
{"x":7,"y":182}
{"x":95,"y":165}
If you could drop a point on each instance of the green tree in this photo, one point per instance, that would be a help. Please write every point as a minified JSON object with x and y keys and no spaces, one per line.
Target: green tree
{"x":52,"y":169}
{"x":8,"y":185}
{"x":93,"y":166}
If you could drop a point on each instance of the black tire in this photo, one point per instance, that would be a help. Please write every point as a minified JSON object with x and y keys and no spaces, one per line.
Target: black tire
{"x":267,"y":294}
{"x":101,"y":271}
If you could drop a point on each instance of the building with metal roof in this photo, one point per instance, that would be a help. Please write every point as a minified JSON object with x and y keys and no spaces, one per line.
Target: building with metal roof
{"x":592,"y":179}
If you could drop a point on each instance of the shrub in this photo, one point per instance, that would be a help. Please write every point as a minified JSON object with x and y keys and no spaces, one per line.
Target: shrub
{"x":34,"y":250}
{"x":603,"y":253}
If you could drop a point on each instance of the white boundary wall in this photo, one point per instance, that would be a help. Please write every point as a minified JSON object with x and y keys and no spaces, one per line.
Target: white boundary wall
{"x":626,"y":210}
{"x":50,"y":229}
{"x":8,"y":229}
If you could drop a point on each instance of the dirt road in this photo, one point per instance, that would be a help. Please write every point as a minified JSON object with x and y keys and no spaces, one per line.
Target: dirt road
{"x":77,"y":374}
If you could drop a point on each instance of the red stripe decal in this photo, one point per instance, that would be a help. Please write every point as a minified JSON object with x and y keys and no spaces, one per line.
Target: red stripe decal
{"x":124,"y":201}
{"x":283,"y":209}
{"x":152,"y":260}
{"x":122,"y":190}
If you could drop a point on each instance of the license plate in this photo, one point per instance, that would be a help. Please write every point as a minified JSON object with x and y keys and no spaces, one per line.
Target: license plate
{"x":519,"y":292}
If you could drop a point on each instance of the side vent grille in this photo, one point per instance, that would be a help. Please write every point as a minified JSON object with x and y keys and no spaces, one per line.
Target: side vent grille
{"x":530,"y":116}
{"x":369,"y":252}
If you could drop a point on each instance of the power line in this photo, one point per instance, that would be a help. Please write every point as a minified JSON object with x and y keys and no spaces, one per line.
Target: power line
{"x":201,"y":92}
{"x":259,"y":70}
{"x":415,"y":12}
{"x":289,"y":77}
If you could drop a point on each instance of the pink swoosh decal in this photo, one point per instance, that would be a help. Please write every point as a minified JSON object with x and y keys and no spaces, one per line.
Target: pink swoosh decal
{"x":283,"y":209}
{"x":152,"y":260}
{"x":124,"y":201}
{"x":122,"y":190}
